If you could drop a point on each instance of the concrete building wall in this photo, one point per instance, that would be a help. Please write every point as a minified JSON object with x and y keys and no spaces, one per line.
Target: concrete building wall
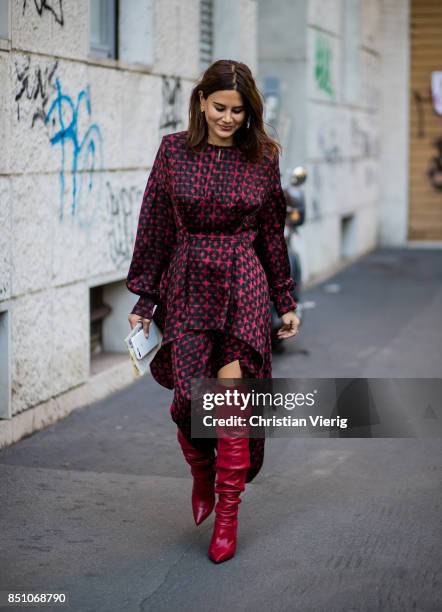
{"x":393,"y":202}
{"x":282,"y":68}
{"x":333,"y":84}
{"x":343,"y":119}
{"x":235,"y":31}
{"x":78,"y":137}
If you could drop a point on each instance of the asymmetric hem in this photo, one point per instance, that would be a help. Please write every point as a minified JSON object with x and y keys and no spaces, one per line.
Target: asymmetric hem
{"x":200,"y":354}
{"x":210,"y":254}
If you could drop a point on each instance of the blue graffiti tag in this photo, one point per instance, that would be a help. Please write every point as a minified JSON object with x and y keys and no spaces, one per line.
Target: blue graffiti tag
{"x":87,"y":153}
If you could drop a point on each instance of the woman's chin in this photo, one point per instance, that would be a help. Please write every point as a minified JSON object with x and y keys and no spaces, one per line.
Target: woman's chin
{"x":224,"y":135}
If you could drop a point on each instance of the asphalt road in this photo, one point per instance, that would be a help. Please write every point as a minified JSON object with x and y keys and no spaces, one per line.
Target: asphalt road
{"x":98,"y":505}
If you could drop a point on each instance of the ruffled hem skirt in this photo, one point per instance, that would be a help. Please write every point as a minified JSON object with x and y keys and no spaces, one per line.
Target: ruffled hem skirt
{"x":200,"y":354}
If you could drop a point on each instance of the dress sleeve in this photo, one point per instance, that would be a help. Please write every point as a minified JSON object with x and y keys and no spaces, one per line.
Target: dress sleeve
{"x":155,"y":238}
{"x":271,"y":247}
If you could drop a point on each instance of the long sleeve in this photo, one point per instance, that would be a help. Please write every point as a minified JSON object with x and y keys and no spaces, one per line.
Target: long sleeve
{"x":271,"y":247}
{"x":155,"y":238}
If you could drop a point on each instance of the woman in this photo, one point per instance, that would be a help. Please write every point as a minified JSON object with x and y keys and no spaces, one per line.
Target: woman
{"x":209,"y":254}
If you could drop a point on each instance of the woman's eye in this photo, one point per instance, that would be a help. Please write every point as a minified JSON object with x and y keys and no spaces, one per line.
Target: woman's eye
{"x":220,"y":110}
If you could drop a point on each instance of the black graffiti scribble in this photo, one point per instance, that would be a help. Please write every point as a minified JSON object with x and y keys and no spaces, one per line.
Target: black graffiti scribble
{"x":361,"y":139}
{"x":172,"y":104}
{"x":317,"y":188}
{"x":35,"y":84}
{"x":434,"y":172}
{"x":47,"y":5}
{"x":328,"y":143}
{"x":121,"y":206}
{"x":419,"y":101}
{"x":4,"y":287}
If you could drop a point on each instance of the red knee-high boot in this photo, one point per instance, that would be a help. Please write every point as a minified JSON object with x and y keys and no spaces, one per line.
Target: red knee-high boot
{"x":202,"y":467}
{"x":232,"y":463}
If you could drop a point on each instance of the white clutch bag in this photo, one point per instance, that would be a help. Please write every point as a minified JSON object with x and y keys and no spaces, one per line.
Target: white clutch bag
{"x":142,"y":349}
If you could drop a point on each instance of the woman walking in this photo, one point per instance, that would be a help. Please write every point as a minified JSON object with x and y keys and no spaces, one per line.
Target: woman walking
{"x":210,"y":254}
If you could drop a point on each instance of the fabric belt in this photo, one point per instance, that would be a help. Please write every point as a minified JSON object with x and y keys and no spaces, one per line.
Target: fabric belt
{"x":244,"y":237}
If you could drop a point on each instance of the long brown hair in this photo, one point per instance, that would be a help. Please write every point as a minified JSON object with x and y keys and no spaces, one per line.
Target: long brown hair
{"x":229,"y":74}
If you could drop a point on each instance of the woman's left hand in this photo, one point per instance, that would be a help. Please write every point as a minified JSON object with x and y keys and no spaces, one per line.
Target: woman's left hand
{"x":290,"y":326}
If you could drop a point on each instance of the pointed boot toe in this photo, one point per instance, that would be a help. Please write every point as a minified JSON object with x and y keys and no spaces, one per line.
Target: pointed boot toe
{"x":203,"y":498}
{"x":223,"y":544}
{"x":203,"y":471}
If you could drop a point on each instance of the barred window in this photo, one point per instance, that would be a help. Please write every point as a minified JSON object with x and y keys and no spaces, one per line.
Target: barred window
{"x":206,"y":33}
{"x":4,"y":19}
{"x":103,"y":19}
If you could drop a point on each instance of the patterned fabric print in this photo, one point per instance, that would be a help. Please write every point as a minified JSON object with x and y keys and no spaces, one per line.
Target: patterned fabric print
{"x":155,"y":239}
{"x":210,"y":253}
{"x":217,"y":191}
{"x":217,"y":283}
{"x":249,"y":313}
{"x":200,"y":355}
{"x":271,"y":248}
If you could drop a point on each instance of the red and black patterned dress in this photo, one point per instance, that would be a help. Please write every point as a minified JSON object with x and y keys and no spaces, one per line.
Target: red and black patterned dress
{"x":210,"y":254}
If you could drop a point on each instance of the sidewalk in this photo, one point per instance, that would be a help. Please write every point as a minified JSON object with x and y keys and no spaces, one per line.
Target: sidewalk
{"x":384,"y":321}
{"x":98,"y":505}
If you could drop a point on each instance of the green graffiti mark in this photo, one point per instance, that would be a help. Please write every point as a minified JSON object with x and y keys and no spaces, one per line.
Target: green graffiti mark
{"x":323,"y":54}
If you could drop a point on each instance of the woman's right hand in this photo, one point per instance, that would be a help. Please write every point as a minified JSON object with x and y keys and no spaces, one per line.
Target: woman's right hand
{"x":134,"y":319}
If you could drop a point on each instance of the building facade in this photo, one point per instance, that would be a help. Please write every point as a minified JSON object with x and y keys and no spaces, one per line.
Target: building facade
{"x":88,"y":88}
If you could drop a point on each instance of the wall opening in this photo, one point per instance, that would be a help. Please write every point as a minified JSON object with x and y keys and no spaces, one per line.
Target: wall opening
{"x":348,"y":236}
{"x":98,"y":311}
{"x":109,"y":306}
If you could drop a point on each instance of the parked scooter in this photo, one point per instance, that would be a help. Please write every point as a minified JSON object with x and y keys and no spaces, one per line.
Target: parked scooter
{"x":295,"y":217}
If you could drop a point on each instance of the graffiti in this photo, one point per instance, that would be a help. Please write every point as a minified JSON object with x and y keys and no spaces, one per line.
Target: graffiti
{"x":4,"y":287}
{"x":419,"y":101}
{"x":331,"y":137}
{"x":322,"y":66}
{"x":36,"y":85}
{"x":434,"y":172}
{"x":55,"y":7}
{"x":328,"y":142}
{"x":120,"y":206}
{"x":435,"y":167}
{"x":86,"y":155}
{"x":316,"y":194}
{"x":172,"y":104}
{"x":361,"y":140}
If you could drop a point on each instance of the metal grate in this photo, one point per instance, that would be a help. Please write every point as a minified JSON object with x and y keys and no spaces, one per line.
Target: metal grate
{"x":4,"y":18}
{"x":206,"y":33}
{"x":103,"y":30}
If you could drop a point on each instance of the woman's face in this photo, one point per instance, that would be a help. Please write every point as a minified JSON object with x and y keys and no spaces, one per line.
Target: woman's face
{"x":224,"y":113}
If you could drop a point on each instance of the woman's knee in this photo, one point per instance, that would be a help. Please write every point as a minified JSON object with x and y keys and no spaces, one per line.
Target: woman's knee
{"x":230,"y":370}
